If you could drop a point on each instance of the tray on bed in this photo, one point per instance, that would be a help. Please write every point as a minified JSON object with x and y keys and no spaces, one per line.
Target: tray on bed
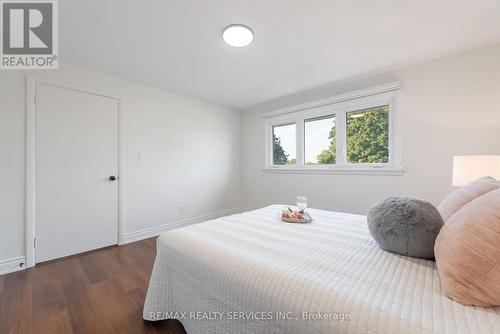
{"x":307,"y":219}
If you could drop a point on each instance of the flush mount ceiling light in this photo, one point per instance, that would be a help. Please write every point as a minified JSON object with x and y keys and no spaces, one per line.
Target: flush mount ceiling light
{"x":237,"y":35}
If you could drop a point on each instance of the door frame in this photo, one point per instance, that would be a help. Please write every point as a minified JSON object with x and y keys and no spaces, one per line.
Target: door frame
{"x":30,"y":194}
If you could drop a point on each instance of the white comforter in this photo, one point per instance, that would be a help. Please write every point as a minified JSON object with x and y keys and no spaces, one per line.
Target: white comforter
{"x":207,"y":274}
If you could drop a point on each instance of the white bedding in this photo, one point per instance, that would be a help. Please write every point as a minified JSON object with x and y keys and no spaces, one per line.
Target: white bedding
{"x":254,"y":263}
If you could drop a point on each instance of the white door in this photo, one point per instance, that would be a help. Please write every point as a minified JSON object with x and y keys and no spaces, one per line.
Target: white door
{"x":76,"y":208}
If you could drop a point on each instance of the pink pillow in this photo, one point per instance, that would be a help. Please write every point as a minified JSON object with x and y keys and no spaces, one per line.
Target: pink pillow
{"x":460,"y":197}
{"x":467,"y":252}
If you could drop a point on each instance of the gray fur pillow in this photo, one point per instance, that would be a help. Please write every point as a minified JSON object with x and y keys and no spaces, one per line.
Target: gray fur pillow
{"x":405,"y":225}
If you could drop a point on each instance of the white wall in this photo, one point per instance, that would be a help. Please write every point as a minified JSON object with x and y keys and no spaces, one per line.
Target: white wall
{"x":190,"y":155}
{"x":448,"y":106}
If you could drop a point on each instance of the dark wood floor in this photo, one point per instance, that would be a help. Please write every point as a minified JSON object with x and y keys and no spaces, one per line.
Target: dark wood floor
{"x":97,"y":292}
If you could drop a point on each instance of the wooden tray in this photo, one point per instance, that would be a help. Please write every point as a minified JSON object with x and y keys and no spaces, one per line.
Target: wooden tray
{"x":307,"y":219}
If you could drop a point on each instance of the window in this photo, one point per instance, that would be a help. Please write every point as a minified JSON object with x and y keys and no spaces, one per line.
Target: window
{"x":284,"y":144}
{"x":319,"y":141}
{"x":367,"y":133}
{"x":355,"y":133}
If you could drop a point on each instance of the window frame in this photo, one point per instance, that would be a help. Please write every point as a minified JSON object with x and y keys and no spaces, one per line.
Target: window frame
{"x":272,"y":143}
{"x":303,"y":143}
{"x":338,"y":107}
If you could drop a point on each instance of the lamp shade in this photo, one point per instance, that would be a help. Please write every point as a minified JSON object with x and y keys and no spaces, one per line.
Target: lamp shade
{"x":467,"y":168}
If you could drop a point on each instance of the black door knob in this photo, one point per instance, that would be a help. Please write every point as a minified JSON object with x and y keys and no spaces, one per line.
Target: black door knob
{"x":112,"y":178}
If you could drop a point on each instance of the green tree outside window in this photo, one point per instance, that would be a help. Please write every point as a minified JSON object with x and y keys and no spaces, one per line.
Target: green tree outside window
{"x":367,"y":133}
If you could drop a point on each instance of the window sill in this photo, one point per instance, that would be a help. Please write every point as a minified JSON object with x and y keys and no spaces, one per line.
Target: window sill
{"x":347,"y":171}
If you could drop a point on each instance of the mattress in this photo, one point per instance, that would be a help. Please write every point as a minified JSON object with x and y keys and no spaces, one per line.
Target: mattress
{"x":252,"y":273}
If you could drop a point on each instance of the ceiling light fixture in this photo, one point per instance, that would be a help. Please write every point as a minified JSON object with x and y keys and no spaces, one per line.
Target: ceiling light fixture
{"x":237,"y":35}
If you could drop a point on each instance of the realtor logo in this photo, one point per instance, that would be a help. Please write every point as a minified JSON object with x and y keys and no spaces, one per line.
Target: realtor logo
{"x":29,"y":34}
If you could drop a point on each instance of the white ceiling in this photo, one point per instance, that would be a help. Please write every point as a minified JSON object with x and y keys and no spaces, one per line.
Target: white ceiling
{"x":176,"y":45}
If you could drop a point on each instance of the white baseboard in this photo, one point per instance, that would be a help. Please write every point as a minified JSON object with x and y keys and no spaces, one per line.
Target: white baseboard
{"x":11,"y":265}
{"x":157,"y":230}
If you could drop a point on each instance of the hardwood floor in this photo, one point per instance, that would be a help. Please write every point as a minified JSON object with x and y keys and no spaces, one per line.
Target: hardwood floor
{"x":98,"y":292}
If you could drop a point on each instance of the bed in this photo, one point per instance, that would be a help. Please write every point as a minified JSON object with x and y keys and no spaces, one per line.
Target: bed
{"x":251,"y":273}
